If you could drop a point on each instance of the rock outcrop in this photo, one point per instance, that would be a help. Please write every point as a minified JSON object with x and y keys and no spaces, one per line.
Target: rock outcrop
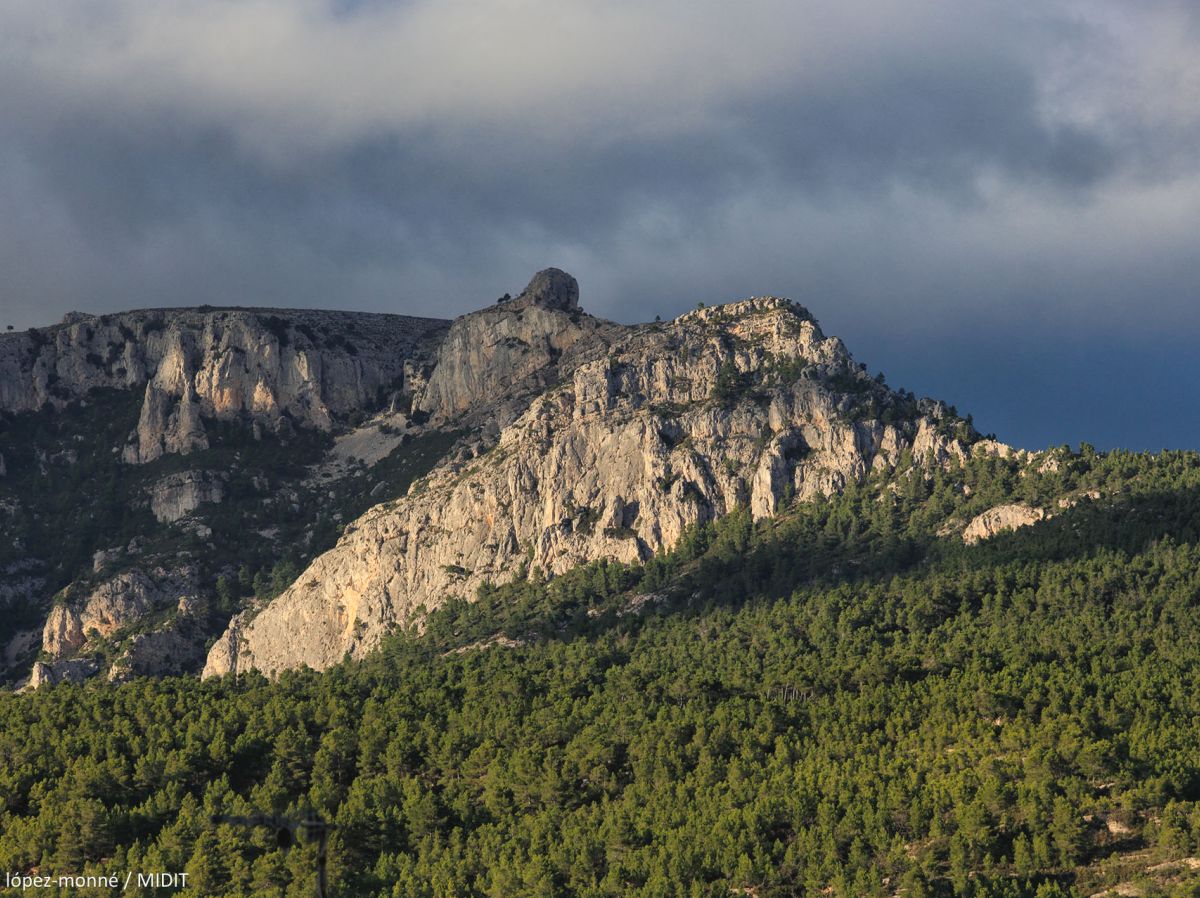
{"x":649,"y":430}
{"x":1001,"y":518}
{"x":178,"y":495}
{"x":75,"y":670}
{"x":276,"y":368}
{"x":494,"y":361}
{"x":174,"y":648}
{"x":111,"y":606}
{"x":573,"y":439}
{"x":550,"y":288}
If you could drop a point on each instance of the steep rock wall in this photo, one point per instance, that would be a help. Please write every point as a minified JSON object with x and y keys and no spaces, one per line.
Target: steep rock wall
{"x":307,"y":367}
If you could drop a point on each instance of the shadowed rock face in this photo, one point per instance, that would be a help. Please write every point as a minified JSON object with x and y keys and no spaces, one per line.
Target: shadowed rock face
{"x":312,"y":368}
{"x":551,"y":288}
{"x":645,"y":431}
{"x":177,"y":495}
{"x":493,"y":362}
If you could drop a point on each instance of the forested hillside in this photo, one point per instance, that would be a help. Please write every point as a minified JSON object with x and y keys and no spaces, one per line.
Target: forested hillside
{"x":836,"y":701}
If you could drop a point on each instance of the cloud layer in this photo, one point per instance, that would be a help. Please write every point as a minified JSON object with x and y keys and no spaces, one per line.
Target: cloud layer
{"x":1006,"y":178}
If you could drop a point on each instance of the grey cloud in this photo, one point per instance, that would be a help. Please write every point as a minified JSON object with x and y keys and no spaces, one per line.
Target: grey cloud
{"x":911,"y":170}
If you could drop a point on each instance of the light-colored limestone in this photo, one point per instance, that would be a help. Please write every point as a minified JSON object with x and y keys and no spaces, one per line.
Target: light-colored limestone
{"x":272,"y":367}
{"x":75,"y":670}
{"x":111,"y":606}
{"x":1001,"y":518}
{"x":635,"y":444}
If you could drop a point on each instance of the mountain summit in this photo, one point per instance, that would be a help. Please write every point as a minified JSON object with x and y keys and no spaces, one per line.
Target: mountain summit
{"x":552,"y":288}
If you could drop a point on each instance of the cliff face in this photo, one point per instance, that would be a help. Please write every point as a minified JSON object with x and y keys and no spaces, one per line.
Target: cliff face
{"x":648,"y":430}
{"x":127,"y":397}
{"x":113,"y":605}
{"x":493,"y":362}
{"x":276,"y":369}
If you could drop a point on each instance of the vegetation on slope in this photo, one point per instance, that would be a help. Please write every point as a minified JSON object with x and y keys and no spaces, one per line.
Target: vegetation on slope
{"x":834,"y":702}
{"x":67,"y":495}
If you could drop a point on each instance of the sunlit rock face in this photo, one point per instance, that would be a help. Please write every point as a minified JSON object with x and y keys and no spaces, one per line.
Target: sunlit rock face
{"x":636,"y":433}
{"x":999,"y":519}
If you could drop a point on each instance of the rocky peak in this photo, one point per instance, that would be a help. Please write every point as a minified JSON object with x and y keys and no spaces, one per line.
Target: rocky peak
{"x":558,"y":438}
{"x":550,"y":288}
{"x":641,"y":433}
{"x":745,"y":308}
{"x":493,"y":362}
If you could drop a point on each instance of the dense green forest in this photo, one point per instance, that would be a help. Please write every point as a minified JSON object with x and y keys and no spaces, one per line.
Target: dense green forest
{"x":838,"y":701}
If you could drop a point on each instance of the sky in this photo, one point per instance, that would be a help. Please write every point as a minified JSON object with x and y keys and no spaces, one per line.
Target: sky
{"x":995,"y":202}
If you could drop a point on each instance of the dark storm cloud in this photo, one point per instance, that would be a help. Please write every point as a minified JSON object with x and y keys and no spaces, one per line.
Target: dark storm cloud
{"x":1001,"y":178}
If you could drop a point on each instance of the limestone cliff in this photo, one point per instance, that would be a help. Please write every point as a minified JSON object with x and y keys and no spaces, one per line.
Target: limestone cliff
{"x":275,"y":368}
{"x":642,"y":432}
{"x":113,"y":605}
{"x":546,"y":437}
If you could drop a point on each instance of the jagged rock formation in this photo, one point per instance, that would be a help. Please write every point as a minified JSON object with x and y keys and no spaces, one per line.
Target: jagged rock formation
{"x":649,"y":430}
{"x":494,"y":361}
{"x":223,"y":656}
{"x":1001,"y":518}
{"x":276,"y":368}
{"x":111,"y":606}
{"x":178,"y":495}
{"x":572,"y":439}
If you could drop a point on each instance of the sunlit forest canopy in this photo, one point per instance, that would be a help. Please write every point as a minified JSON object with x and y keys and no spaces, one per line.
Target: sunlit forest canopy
{"x":837,"y":701}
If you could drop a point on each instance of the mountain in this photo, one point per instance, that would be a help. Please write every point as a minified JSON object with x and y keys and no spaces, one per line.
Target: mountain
{"x":278,"y":368}
{"x":528,"y":434}
{"x":142,"y":454}
{"x":642,"y":433}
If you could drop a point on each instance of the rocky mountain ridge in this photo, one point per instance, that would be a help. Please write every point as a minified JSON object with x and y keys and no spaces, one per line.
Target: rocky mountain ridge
{"x":123,"y":435}
{"x":323,"y":478}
